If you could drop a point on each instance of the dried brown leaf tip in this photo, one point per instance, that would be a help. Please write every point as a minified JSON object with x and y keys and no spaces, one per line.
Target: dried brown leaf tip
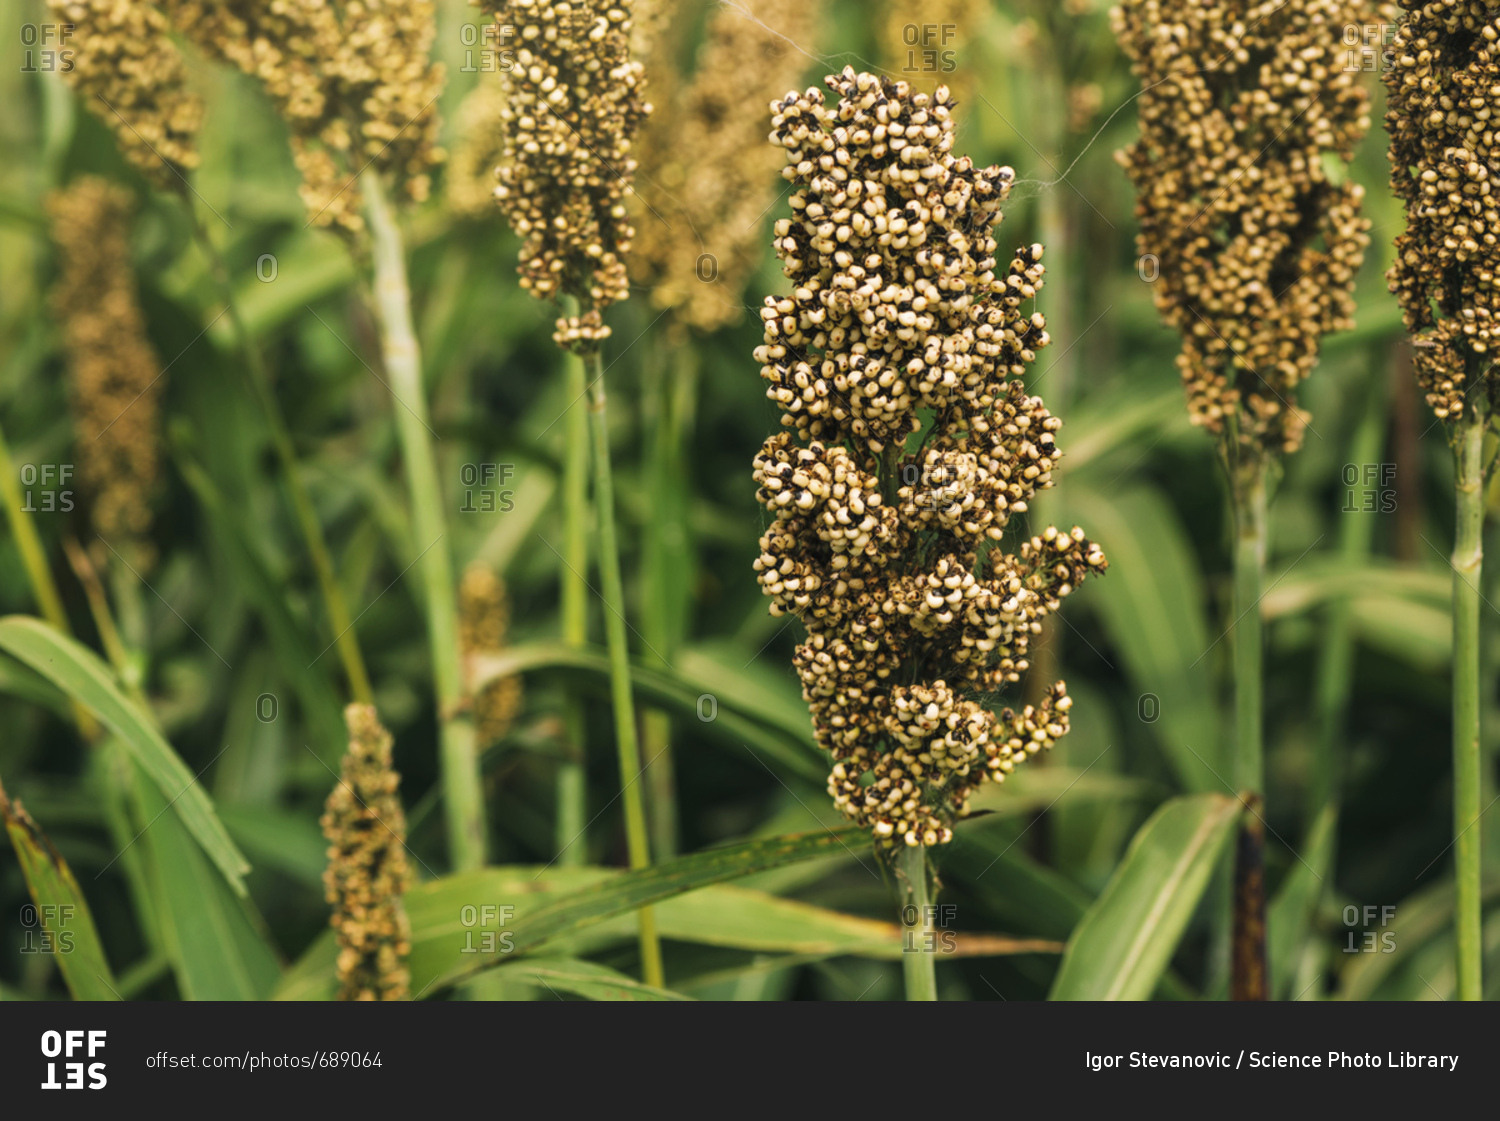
{"x":367,"y":873}
{"x":484,"y":620}
{"x":114,"y":375}
{"x":573,"y":105}
{"x":708,"y":178}
{"x":1248,"y":114}
{"x":352,"y":80}
{"x":890,"y":548}
{"x":1444,"y":86}
{"x":131,"y":75}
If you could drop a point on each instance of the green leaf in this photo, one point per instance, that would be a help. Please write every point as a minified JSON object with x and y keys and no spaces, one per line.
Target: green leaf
{"x":650,"y":885}
{"x":447,"y":924}
{"x":62,"y":910}
{"x":1036,"y":789}
{"x":214,"y":939}
{"x":1290,"y":914}
{"x":1123,"y":944}
{"x":1422,"y":917}
{"x":77,"y":671}
{"x":584,"y":978}
{"x":1151,"y":602}
{"x":772,"y":733}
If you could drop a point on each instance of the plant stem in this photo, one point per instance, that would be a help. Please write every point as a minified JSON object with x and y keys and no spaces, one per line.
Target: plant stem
{"x":572,"y":785}
{"x":667,"y":565}
{"x":1468,"y":559}
{"x":38,"y":574}
{"x":462,"y":782}
{"x":1248,"y":941}
{"x":1336,"y":657}
{"x":29,"y":544}
{"x":618,"y":644}
{"x":919,"y":948}
{"x":339,"y":620}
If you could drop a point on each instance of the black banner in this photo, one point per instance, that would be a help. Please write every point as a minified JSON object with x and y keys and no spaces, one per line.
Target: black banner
{"x":96,"y":1055}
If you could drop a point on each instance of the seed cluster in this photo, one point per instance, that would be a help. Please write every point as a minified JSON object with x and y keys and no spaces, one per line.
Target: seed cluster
{"x":479,"y":146}
{"x":1253,"y":241}
{"x":367,"y":873}
{"x":1443,"y":89}
{"x":923,"y":42}
{"x":132,"y":77}
{"x":484,"y":619}
{"x":352,"y":80}
{"x":890,"y":553}
{"x":710,"y":178}
{"x":114,"y":374}
{"x":573,"y":106}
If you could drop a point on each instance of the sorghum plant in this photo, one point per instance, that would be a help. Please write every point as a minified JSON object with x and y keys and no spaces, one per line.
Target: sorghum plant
{"x":1243,"y":109}
{"x":888,"y":536}
{"x":478,"y":146}
{"x":1443,"y":86}
{"x":707,"y":182}
{"x":483,"y":620}
{"x":355,"y":86}
{"x":351,"y":79}
{"x":708,"y":174}
{"x":132,"y":76}
{"x":367,"y":873}
{"x":573,"y":105}
{"x":114,"y":374}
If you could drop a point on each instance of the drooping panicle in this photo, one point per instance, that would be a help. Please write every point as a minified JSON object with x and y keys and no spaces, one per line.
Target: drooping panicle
{"x":114,"y":375}
{"x":891,"y":550}
{"x":352,"y":79}
{"x":573,"y":104}
{"x":707,"y":176}
{"x":367,"y":873}
{"x":131,"y":75}
{"x":1250,"y":232}
{"x":484,"y":620}
{"x":478,"y":148}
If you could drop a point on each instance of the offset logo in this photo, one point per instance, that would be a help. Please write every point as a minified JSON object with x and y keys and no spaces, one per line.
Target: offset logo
{"x":74,"y":1047}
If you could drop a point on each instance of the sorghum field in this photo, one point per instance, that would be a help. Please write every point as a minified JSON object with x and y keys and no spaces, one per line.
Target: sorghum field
{"x":748,"y":500}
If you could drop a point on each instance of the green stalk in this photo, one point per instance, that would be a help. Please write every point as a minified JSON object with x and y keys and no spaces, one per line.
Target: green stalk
{"x":1468,"y":559}
{"x":636,"y":838}
{"x":919,"y":946}
{"x":572,"y":784}
{"x":29,"y":544}
{"x":668,"y":550}
{"x":339,"y":620}
{"x":462,"y":783}
{"x":1249,"y":574}
{"x":1336,"y":656}
{"x":38,"y":574}
{"x":1248,"y":939}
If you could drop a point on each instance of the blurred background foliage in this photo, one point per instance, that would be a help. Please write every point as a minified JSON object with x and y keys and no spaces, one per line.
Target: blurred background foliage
{"x":226,"y":629}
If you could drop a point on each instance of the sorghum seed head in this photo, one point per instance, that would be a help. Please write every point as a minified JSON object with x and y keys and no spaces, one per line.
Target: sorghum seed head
{"x":131,"y":75}
{"x":1243,"y":111}
{"x":920,"y":38}
{"x":711,"y":177}
{"x":572,"y":107}
{"x":899,"y":307}
{"x":484,"y":619}
{"x":114,"y":378}
{"x":367,"y":872}
{"x":1443,"y":87}
{"x":469,"y":179}
{"x":352,"y":80}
